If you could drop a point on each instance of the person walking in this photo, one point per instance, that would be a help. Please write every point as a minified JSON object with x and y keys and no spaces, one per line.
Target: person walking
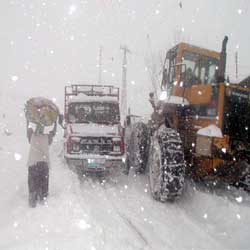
{"x":38,"y":163}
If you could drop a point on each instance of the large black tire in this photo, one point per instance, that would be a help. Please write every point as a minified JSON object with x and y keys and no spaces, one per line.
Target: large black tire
{"x":244,"y":180}
{"x":166,"y":165}
{"x":139,"y":149}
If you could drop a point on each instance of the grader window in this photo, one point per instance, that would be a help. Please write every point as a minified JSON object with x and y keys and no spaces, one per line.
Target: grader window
{"x":169,"y":64}
{"x":209,"y":110}
{"x":199,"y":69}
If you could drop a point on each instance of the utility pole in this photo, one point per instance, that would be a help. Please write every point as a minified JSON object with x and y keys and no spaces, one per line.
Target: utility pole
{"x":124,"y":83}
{"x":153,"y":67}
{"x":100,"y":66}
{"x":236,"y":64}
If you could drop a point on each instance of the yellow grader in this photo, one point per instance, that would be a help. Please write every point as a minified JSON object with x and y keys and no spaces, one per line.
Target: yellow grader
{"x":200,"y":126}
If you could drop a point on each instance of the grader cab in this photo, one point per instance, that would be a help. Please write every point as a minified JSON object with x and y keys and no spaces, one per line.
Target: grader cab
{"x":215,"y":126}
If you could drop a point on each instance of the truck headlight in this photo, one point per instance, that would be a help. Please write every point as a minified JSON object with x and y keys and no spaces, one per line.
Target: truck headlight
{"x":116,"y":148}
{"x":76,"y":147}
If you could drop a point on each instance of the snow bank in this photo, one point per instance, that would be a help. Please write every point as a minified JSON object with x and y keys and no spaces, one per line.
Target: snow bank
{"x":222,"y":212}
{"x":210,"y":131}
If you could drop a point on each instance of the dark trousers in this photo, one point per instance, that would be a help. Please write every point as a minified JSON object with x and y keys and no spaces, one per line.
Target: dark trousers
{"x":127,"y":163}
{"x":38,"y":181}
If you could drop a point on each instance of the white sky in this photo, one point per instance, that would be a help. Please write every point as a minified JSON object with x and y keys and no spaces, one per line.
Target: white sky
{"x":45,"y":44}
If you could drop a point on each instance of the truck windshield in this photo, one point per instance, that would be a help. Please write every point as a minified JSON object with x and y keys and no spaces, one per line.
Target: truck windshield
{"x":94,"y":112}
{"x":199,"y":69}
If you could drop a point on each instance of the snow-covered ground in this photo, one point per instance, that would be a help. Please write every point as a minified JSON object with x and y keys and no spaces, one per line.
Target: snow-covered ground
{"x":94,"y":215}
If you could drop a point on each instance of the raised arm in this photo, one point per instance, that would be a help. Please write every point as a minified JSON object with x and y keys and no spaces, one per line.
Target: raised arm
{"x":52,"y":133}
{"x":29,"y":131}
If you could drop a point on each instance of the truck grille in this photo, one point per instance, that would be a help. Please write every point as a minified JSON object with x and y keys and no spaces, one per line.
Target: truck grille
{"x":93,"y":145}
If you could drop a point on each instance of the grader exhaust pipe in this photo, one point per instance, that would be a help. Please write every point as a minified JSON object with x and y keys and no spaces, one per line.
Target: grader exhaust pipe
{"x":222,"y":63}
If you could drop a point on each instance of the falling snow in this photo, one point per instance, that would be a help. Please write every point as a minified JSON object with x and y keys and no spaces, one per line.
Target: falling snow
{"x":18,"y":156}
{"x":48,"y":44}
{"x":72,"y":9}
{"x":14,"y":78}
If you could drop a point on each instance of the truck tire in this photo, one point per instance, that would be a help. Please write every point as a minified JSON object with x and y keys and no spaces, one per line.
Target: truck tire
{"x":166,"y":165}
{"x":139,"y":152}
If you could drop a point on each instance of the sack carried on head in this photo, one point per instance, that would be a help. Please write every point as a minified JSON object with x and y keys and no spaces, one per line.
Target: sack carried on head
{"x":40,"y":110}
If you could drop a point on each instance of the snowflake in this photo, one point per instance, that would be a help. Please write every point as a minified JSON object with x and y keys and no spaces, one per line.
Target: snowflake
{"x":83,"y":225}
{"x":14,"y":78}
{"x":15,"y":224}
{"x":224,"y":150}
{"x":17,"y":156}
{"x":72,"y":9}
{"x":239,"y":199}
{"x":163,"y":95}
{"x":239,"y":11}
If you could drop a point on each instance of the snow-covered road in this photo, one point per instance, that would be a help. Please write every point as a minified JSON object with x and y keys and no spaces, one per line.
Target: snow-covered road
{"x":92,"y":215}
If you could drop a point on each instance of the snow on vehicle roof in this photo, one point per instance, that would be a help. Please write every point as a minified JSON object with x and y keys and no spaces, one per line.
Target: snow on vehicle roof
{"x":86,"y":98}
{"x":210,"y":131}
{"x":173,"y":99}
{"x":176,"y":100}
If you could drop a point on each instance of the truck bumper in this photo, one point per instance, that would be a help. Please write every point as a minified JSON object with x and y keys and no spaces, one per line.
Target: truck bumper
{"x":95,"y":163}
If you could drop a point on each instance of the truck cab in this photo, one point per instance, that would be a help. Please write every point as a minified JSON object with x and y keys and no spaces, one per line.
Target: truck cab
{"x":94,"y":140}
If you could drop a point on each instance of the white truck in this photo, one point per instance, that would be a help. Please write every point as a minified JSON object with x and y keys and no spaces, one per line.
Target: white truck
{"x":94,"y":140}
